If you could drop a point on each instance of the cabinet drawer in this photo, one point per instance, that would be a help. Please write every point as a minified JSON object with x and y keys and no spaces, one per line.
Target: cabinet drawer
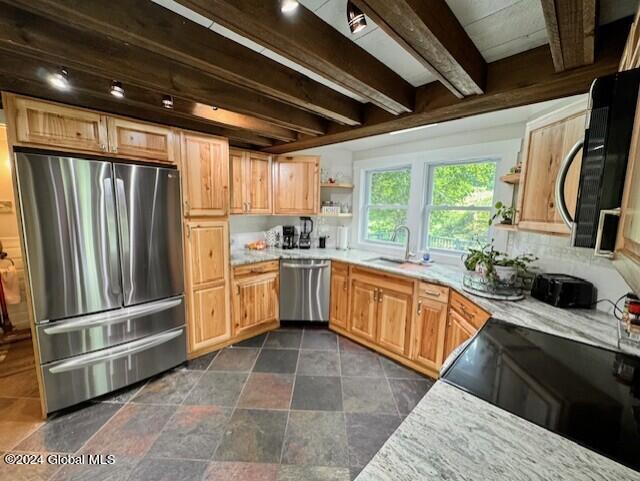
{"x":468,"y":310}
{"x":259,"y":268}
{"x":434,"y":292}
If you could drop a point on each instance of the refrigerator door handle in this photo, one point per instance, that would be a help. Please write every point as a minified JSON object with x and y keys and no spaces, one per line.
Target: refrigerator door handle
{"x":561,"y":202}
{"x":106,"y":318}
{"x":115,"y":353}
{"x":125,"y":241}
{"x":112,"y":237}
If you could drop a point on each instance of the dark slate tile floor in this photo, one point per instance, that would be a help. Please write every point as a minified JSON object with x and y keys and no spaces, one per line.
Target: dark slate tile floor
{"x":291,"y":405}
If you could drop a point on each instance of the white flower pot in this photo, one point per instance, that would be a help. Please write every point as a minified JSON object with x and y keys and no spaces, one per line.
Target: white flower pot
{"x":506,"y":274}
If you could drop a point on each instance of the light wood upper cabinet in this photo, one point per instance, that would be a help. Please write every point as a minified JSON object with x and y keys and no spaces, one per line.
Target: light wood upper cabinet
{"x":339,"y":306}
{"x":296,"y":185}
{"x":207,"y":281}
{"x":429,"y":332}
{"x":627,"y":253}
{"x":364,"y":303}
{"x":139,"y":140}
{"x":250,"y":182}
{"x":547,"y":141}
{"x":44,"y":124}
{"x":255,"y":302}
{"x":205,"y":174}
{"x":394,"y":320}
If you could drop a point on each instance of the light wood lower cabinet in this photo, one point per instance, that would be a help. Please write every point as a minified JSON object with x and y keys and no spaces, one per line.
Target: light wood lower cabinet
{"x":364,"y":305}
{"x":394,"y":320}
{"x":339,"y":305}
{"x":429,"y":333}
{"x":207,"y":284}
{"x":256,"y":294}
{"x":458,"y":331}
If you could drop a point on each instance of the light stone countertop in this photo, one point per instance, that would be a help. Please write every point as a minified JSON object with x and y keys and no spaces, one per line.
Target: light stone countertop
{"x":586,"y":325}
{"x":454,"y":436}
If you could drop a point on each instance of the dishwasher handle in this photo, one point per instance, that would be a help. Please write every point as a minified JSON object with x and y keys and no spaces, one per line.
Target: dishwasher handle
{"x":305,"y":266}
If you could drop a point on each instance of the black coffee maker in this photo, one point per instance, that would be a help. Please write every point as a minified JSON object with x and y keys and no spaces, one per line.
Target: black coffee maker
{"x":288,"y":236}
{"x":306,"y":228}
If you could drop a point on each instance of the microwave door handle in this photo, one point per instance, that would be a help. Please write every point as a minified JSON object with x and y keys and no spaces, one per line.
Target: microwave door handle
{"x":561,"y":203}
{"x":598,"y":247}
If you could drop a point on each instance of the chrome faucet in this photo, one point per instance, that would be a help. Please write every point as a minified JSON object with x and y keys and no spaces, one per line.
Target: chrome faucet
{"x":407,"y":254}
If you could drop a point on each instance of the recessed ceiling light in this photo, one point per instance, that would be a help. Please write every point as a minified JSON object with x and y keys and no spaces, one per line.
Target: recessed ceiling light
{"x":288,"y":6}
{"x":116,"y":89}
{"x":404,"y":131}
{"x":167,"y":101}
{"x":60,"y":79}
{"x":355,"y":18}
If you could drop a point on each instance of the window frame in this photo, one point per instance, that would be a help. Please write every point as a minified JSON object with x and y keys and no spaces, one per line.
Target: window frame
{"x":427,"y":201}
{"x":366,"y":205}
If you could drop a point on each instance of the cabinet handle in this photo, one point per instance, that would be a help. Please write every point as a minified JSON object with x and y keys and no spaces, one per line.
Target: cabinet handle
{"x":375,"y":295}
{"x":419,"y":307}
{"x":432,"y":293}
{"x":379,"y":295}
{"x":344,"y":285}
{"x":103,"y":147}
{"x":186,"y":205}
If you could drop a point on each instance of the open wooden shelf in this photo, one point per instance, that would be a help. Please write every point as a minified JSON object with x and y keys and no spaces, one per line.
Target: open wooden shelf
{"x":508,"y":227}
{"x":511,"y":178}
{"x":337,"y":186}
{"x":344,"y":216}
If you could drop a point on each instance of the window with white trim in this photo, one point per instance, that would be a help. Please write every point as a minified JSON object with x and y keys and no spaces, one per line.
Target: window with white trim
{"x":386,"y":204}
{"x":459,"y":201}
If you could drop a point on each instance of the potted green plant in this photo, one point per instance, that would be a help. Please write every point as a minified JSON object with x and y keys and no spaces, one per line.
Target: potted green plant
{"x":497,"y":267}
{"x":505,"y":213}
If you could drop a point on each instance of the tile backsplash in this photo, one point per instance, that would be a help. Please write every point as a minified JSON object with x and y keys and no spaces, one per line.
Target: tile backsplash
{"x":555,"y":255}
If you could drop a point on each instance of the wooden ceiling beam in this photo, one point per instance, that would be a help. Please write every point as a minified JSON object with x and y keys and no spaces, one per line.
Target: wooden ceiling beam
{"x":571,"y":26}
{"x":521,"y":79}
{"x":24,"y":75}
{"x":150,"y":26}
{"x":432,"y":34}
{"x":312,"y":43}
{"x":45,"y":39}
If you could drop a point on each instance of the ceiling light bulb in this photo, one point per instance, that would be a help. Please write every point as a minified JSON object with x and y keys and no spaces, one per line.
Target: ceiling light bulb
{"x":116,"y":89}
{"x":167,"y":101}
{"x":355,"y":18}
{"x":60,"y":79}
{"x":214,"y":107}
{"x":288,"y":6}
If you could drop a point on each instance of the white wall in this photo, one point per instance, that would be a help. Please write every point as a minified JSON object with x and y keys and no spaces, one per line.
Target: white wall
{"x":501,"y":143}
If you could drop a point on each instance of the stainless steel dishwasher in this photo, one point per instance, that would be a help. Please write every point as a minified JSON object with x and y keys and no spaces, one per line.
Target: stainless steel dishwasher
{"x":304,"y":289}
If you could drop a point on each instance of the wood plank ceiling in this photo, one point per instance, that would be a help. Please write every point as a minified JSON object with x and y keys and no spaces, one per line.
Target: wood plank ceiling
{"x":223,"y":87}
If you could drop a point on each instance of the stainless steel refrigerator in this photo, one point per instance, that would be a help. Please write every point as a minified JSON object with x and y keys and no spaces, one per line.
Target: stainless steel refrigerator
{"x":103,"y":247}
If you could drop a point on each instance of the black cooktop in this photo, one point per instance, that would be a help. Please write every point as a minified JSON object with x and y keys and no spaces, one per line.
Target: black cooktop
{"x":587,"y":394}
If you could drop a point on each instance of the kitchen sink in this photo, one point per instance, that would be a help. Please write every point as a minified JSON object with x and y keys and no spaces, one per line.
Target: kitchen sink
{"x":395,"y":262}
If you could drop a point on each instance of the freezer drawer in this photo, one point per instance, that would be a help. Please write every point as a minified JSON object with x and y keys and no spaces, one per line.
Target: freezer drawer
{"x":150,"y":225}
{"x":81,"y":335}
{"x":304,"y":289}
{"x":84,"y":377}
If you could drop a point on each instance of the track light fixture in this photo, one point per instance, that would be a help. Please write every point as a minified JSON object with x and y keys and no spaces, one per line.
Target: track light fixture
{"x":288,"y":6}
{"x":116,"y":89}
{"x":214,"y":107}
{"x":167,"y":101}
{"x":355,"y":18}
{"x":60,"y":79}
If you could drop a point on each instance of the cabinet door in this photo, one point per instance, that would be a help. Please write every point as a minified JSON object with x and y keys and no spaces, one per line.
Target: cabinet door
{"x":458,"y":330}
{"x":339,"y":309}
{"x":237,"y":174}
{"x":296,"y":185}
{"x":547,"y":141}
{"x":363,"y":310}
{"x":205,"y":170}
{"x":138,"y":140}
{"x":255,"y":302}
{"x":394,"y":315}
{"x":431,"y":321}
{"x":259,"y":183}
{"x":207,"y":275}
{"x":49,"y":125}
